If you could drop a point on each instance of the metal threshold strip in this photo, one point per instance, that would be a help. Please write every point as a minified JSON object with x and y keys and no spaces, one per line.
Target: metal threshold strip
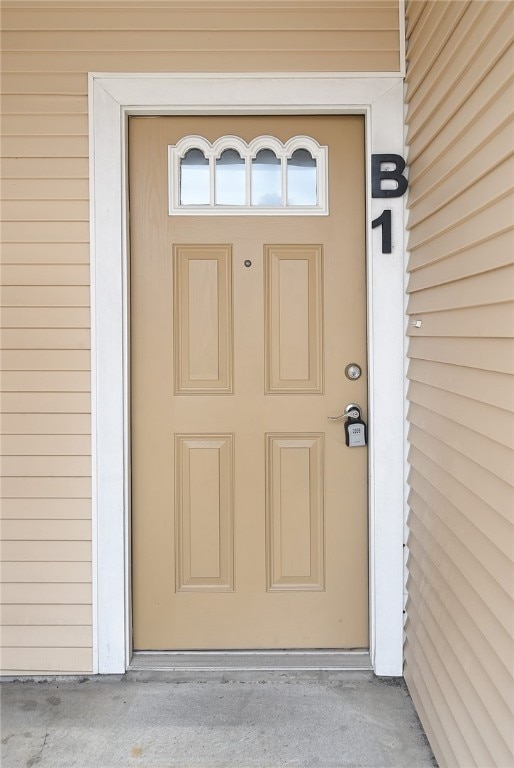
{"x":251,"y":661}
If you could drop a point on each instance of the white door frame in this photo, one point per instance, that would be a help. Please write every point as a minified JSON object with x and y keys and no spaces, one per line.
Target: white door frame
{"x":112,"y":97}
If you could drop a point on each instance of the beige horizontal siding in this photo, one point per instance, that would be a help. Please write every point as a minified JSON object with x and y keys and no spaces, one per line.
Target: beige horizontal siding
{"x":46,"y":615}
{"x":45,"y":274}
{"x":41,"y":660}
{"x":484,"y":418}
{"x":459,"y":649}
{"x":247,"y":36}
{"x":46,"y":445}
{"x":44,"y":423}
{"x":45,"y":83}
{"x":467,"y":234}
{"x":70,"y":573}
{"x":47,"y":50}
{"x":481,"y":99}
{"x":26,"y":45}
{"x":43,"y":253}
{"x":486,"y":487}
{"x":46,"y":530}
{"x":46,"y":509}
{"x":45,"y":637}
{"x":72,"y":168}
{"x":493,"y":287}
{"x":45,"y":189}
{"x":46,"y":338}
{"x":19,"y":594}
{"x":484,"y":451}
{"x":46,"y":575}
{"x":46,"y":551}
{"x":473,"y":48}
{"x":193,"y":15}
{"x":492,"y":526}
{"x":495,"y":354}
{"x":476,"y":259}
{"x":45,"y":231}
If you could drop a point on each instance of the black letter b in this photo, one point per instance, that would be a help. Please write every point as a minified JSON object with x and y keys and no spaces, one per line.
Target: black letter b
{"x":378,"y":175}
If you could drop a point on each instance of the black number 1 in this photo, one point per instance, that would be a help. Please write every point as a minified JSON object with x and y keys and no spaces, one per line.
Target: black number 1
{"x":384,"y":221}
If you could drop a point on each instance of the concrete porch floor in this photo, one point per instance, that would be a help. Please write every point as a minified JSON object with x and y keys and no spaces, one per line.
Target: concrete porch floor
{"x":330,"y":720}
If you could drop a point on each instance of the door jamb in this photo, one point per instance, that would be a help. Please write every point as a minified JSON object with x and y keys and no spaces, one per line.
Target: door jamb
{"x":112,"y":98}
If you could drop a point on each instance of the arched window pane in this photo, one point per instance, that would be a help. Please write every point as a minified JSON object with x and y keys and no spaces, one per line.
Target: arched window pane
{"x":230,"y":179}
{"x":266,"y":179}
{"x":194,"y":178}
{"x":301,"y":179}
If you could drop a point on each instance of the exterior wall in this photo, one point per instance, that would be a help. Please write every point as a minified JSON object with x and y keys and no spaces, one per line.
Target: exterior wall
{"x":458,"y":652}
{"x":48,"y":48}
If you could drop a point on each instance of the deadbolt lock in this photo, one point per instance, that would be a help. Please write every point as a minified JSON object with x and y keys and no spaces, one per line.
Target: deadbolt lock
{"x":353,"y":371}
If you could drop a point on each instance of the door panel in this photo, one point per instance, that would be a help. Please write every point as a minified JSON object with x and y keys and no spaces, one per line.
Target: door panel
{"x":295,"y":546}
{"x":249,"y":513}
{"x":293,"y":279}
{"x":203,"y":330}
{"x":204,"y":503}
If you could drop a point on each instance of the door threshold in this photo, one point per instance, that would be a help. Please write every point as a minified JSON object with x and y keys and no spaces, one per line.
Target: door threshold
{"x":251,"y":661}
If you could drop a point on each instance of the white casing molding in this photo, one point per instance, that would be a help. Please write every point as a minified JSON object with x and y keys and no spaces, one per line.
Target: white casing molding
{"x":112,"y":98}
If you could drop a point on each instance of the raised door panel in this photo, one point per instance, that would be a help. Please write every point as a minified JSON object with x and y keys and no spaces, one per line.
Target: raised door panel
{"x":295,"y":512}
{"x":203,"y":319}
{"x":204,"y":540}
{"x":294,"y":318}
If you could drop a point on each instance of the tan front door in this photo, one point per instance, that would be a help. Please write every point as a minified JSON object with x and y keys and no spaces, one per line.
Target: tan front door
{"x":249,"y":513}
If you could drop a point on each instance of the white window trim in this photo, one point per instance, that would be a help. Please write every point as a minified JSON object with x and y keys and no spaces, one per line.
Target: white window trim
{"x":112,"y":97}
{"x":246,"y":151}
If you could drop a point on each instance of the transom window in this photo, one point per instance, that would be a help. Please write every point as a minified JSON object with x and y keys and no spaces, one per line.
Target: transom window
{"x":264,"y":177}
